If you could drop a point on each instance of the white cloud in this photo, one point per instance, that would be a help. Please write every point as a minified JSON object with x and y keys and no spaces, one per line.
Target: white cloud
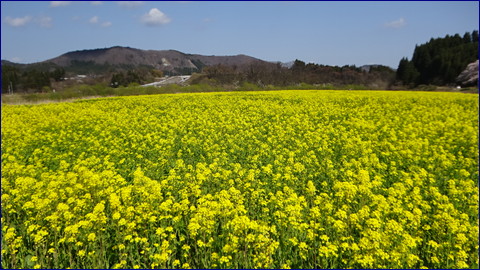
{"x":18,"y":22}
{"x":96,"y":20}
{"x":45,"y":21}
{"x":60,"y":3}
{"x":130,"y":4}
{"x":16,"y":59}
{"x":93,"y":20}
{"x":155,"y":17}
{"x":396,"y":24}
{"x":96,"y":3}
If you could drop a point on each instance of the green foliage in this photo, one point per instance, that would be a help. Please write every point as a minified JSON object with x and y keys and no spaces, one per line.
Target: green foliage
{"x":35,"y":80}
{"x":58,"y":74}
{"x":407,"y":73}
{"x":246,"y":86}
{"x":440,"y":60}
{"x":88,"y":67}
{"x":10,"y":77}
{"x":126,"y":78}
{"x":29,"y":80}
{"x":423,"y":87}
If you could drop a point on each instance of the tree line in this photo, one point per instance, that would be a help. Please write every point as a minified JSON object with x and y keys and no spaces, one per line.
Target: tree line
{"x":439,"y":61}
{"x":264,"y":74}
{"x":260,"y":74}
{"x":29,"y":80}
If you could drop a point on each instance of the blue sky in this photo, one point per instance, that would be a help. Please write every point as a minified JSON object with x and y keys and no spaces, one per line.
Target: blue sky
{"x":330,"y":33}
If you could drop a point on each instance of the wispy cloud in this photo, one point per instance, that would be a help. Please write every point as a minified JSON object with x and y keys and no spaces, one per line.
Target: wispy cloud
{"x":96,"y":3}
{"x":155,"y":17}
{"x":45,"y":21}
{"x":59,"y":3}
{"x":96,"y":20}
{"x":18,"y":22}
{"x":396,"y":24}
{"x":93,"y":20}
{"x":130,"y":4}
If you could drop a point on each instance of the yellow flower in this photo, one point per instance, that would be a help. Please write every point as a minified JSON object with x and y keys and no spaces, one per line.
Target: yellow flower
{"x":200,"y":243}
{"x":278,"y":179}
{"x":294,"y":241}
{"x":186,"y":247}
{"x":116,"y":216}
{"x":122,"y":222}
{"x":91,"y":237}
{"x":224,"y":259}
{"x":303,"y":246}
{"x":311,"y":189}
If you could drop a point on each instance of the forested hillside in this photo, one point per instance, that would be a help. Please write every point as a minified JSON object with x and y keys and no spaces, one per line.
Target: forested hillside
{"x":439,"y":61}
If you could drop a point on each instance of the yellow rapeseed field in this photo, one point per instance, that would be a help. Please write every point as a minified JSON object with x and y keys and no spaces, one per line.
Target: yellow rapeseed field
{"x":281,"y":179}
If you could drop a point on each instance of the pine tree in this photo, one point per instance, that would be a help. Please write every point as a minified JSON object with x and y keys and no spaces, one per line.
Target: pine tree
{"x":407,"y":73}
{"x":440,"y":60}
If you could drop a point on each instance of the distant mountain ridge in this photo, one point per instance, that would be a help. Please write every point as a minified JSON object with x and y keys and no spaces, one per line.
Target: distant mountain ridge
{"x":122,"y":66}
{"x":126,"y":57}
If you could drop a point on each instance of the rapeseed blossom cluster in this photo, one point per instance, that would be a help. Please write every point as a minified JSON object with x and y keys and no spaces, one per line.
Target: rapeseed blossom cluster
{"x":281,"y":179}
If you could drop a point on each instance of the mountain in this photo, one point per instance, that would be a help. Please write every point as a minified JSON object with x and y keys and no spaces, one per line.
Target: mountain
{"x":124,"y":58}
{"x":19,"y":65}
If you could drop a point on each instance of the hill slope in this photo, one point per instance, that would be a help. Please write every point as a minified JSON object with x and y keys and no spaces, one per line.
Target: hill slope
{"x":126,"y":58}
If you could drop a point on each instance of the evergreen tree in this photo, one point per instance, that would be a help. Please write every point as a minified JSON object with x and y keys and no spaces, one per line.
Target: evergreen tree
{"x":467,"y":38}
{"x":118,"y":79}
{"x":475,"y":36}
{"x":440,"y":60}
{"x":58,"y":74}
{"x":406,"y":72}
{"x":35,"y":80}
{"x":9,"y":78}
